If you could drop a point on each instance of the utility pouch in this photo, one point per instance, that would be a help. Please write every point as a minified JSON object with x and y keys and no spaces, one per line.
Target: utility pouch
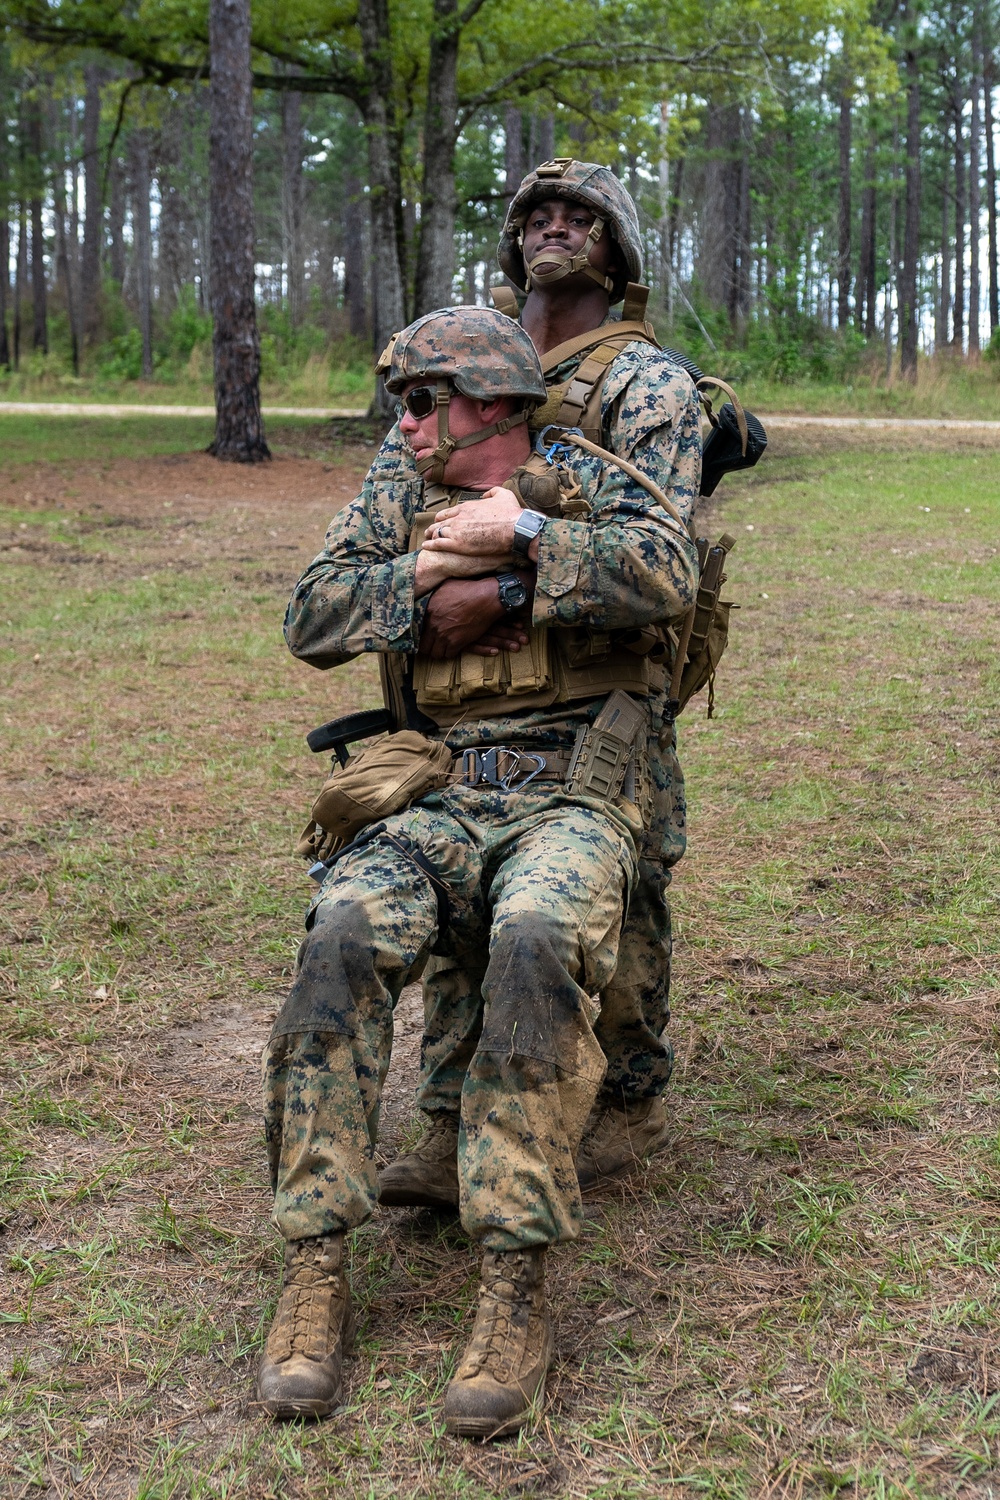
{"x":383,"y":779}
{"x":603,"y":750}
{"x":705,"y":633}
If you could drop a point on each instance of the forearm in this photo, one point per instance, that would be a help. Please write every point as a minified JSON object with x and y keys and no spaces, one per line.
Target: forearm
{"x":615,"y":576}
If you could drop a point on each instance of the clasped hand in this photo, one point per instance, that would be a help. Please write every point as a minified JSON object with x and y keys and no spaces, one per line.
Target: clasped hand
{"x":478,"y":528}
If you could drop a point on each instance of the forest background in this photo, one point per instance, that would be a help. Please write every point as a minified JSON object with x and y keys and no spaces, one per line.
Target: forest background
{"x":816,"y":183}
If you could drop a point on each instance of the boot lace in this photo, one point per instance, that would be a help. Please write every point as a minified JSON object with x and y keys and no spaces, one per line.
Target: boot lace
{"x":438,"y":1141}
{"x":495,"y":1342}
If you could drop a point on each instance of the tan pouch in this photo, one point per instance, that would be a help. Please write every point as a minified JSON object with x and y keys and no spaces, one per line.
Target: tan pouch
{"x":383,"y":779}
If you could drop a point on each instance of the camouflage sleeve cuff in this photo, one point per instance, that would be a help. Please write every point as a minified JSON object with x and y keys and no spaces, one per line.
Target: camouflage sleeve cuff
{"x":561,"y":546}
{"x":397,"y":617}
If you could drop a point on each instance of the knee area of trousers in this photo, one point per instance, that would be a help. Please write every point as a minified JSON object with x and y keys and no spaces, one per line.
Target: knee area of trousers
{"x":531,"y":944}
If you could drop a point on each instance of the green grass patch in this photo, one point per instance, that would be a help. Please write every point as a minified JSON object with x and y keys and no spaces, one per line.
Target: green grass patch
{"x":796,"y":1299}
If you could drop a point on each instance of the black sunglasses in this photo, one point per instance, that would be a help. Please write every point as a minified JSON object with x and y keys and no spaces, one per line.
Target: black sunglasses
{"x":419,"y":402}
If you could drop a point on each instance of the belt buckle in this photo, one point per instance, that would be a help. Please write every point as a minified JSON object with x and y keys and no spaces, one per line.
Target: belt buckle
{"x":482,"y":768}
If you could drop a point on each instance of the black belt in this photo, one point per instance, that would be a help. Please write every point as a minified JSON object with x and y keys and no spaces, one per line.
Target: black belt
{"x":510,"y":768}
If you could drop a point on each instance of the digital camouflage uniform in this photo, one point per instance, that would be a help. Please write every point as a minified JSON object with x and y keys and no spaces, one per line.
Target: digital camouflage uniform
{"x":651,"y":417}
{"x":537,"y":878}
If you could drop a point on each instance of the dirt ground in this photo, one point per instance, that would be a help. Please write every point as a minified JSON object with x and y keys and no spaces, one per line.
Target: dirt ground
{"x":797,"y":1299}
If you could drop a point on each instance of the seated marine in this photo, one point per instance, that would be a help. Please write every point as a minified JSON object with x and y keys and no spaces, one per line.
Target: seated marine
{"x":516,"y":864}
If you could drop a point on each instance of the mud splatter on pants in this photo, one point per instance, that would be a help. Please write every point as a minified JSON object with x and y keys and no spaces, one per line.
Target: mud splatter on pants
{"x":536,"y":885}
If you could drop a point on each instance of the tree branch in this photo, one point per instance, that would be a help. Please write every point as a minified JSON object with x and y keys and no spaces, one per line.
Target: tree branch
{"x":574,"y":57}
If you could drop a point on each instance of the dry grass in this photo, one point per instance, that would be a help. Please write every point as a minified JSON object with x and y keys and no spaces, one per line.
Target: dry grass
{"x":799,"y":1299}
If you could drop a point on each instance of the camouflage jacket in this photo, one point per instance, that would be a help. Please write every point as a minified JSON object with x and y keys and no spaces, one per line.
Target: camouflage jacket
{"x":651,"y":416}
{"x":629,"y":564}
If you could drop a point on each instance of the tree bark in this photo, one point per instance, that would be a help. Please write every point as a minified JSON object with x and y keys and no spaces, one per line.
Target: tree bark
{"x":64,"y":262}
{"x":436,"y":255}
{"x":20,"y":278}
{"x":142,"y":242}
{"x":4,"y":254}
{"x":975,"y":168}
{"x":354,"y":256}
{"x":291,"y":202}
{"x":239,"y":427}
{"x":844,"y":211}
{"x":911,"y":224}
{"x":991,"y":191}
{"x":90,"y":267}
{"x":385,"y":196}
{"x":740,"y":309}
{"x":720,"y":220}
{"x":944,"y":299}
{"x":39,"y":288}
{"x":864,"y":296}
{"x":116,"y":222}
{"x":513,"y":149}
{"x":958,"y":302}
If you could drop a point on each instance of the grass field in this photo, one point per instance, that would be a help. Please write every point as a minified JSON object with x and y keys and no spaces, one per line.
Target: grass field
{"x":799,"y":1299}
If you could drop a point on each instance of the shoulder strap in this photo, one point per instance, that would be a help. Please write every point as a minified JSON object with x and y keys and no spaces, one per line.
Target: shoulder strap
{"x":505,"y":301}
{"x":628,"y":332}
{"x":634,"y":305}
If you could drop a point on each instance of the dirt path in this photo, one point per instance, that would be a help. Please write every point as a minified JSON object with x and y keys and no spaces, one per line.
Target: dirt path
{"x":342,"y":413}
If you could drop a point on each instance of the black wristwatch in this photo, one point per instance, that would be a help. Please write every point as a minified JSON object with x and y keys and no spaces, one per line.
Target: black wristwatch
{"x":527,"y":526}
{"x":513,"y":594}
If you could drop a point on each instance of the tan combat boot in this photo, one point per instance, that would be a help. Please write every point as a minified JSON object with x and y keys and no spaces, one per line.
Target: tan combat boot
{"x":619,"y":1138}
{"x":428,"y":1176}
{"x":299,"y":1375}
{"x":502,"y":1374}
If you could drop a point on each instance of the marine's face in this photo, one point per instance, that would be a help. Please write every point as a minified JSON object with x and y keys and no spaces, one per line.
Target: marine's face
{"x":465,"y":417}
{"x":562,"y":225}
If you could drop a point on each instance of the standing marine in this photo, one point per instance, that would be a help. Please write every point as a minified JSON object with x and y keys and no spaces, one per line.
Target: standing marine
{"x":497,"y":828}
{"x":571,"y":245}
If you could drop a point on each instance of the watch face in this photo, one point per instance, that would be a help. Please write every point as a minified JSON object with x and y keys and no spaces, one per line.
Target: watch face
{"x":512,"y":592}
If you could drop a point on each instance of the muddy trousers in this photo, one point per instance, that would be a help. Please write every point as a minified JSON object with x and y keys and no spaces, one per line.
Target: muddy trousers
{"x":536,"y":899}
{"x":631,"y":1027}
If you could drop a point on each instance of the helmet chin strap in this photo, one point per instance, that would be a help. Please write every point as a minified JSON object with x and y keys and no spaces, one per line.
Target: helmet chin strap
{"x":535,"y":276}
{"x":432,"y":466}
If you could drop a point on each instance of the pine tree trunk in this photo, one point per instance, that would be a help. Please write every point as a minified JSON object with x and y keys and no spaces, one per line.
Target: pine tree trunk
{"x":718,"y":250}
{"x":39,"y":289}
{"x":991,"y":192}
{"x":958,"y":302}
{"x":354,"y":256}
{"x":90,"y":269}
{"x":743,"y":245}
{"x":142,"y":243}
{"x":911,"y":225}
{"x":116,"y":222}
{"x":844,"y":213}
{"x":513,"y":149}
{"x":4,"y":288}
{"x":385,"y":194}
{"x":436,"y":255}
{"x":975,"y":94}
{"x":239,"y":427}
{"x":944,"y":299}
{"x":291,"y":202}
{"x":64,"y":262}
{"x":20,"y":279}
{"x":864,"y":296}
{"x":4,"y":255}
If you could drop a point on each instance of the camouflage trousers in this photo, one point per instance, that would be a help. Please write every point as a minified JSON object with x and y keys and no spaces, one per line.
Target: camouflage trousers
{"x":630,"y":1029}
{"x":536,"y":885}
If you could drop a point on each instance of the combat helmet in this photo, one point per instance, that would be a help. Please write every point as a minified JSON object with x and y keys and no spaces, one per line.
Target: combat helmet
{"x":585,"y":182}
{"x":475,"y":350}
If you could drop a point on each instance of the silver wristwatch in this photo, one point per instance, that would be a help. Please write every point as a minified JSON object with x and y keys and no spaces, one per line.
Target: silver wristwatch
{"x":527,"y":526}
